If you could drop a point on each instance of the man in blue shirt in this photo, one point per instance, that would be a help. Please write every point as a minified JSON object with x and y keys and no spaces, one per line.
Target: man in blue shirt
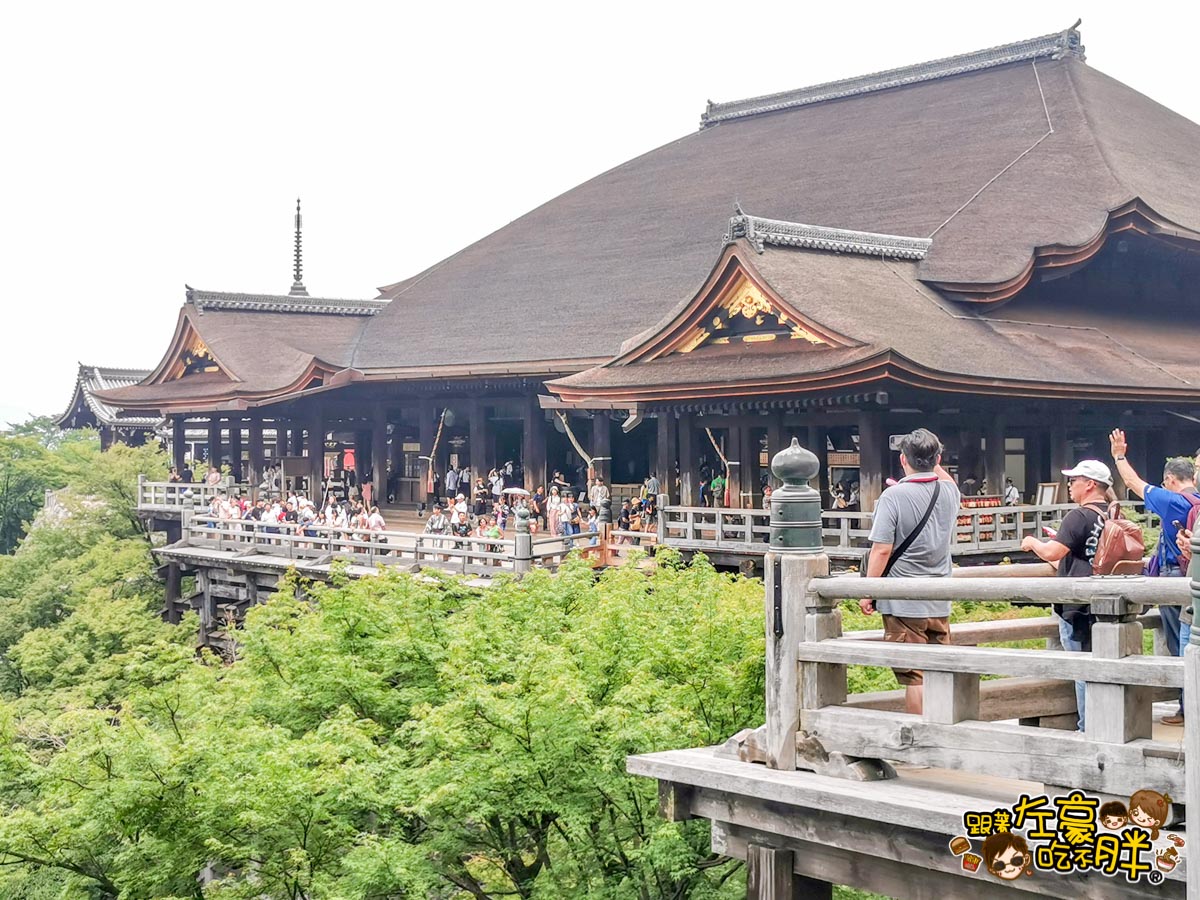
{"x":1171,"y":503}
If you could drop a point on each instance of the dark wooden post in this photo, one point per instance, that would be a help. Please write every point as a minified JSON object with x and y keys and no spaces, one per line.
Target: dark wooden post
{"x":1060,"y":453}
{"x":297,"y":432}
{"x":687,"y":459}
{"x":426,"y":429}
{"x":770,"y":875}
{"x":602,"y":445}
{"x":481,"y":453}
{"x":214,"y":441}
{"x":667,"y":454}
{"x":775,"y":443}
{"x":362,"y":457}
{"x":379,"y":460}
{"x":179,"y":442}
{"x":993,"y":459}
{"x":874,"y":460}
{"x":316,"y":455}
{"x":257,"y":454}
{"x":173,"y":607}
{"x":734,"y":448}
{"x":235,"y":450}
{"x":533,"y":443}
{"x":281,"y":439}
{"x":818,"y":443}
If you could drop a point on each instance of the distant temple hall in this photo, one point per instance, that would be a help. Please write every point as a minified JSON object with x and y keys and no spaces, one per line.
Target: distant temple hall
{"x":1002,"y":246}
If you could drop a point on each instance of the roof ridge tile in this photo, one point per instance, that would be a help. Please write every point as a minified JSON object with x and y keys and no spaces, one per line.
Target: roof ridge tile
{"x":1055,"y":46}
{"x":760,"y":231}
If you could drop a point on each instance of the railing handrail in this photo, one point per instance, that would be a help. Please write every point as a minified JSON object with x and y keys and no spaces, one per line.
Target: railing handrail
{"x":1080,"y":591}
{"x":201,"y":524}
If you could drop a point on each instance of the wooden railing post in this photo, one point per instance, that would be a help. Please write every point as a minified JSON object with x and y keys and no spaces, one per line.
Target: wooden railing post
{"x":794,"y":558}
{"x":1191,"y":715}
{"x":1117,"y":713}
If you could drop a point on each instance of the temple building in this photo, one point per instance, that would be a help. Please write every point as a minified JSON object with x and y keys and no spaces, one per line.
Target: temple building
{"x":86,"y":410}
{"x":1002,"y":246}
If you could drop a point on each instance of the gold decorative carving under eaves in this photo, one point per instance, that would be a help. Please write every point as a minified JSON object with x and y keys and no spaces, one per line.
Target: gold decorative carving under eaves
{"x":747,"y":316}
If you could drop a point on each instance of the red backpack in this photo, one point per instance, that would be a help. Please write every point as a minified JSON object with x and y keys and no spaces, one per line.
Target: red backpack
{"x":1121,"y":541}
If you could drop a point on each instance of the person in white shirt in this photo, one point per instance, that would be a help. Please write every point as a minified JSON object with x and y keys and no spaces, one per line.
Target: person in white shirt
{"x":1012,"y":497}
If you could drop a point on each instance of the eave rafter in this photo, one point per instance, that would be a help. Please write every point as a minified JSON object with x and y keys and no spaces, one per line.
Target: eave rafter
{"x":877,"y":370}
{"x":1056,"y":260}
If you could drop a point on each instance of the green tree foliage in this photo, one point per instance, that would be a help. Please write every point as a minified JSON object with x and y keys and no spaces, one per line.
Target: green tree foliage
{"x":394,"y":737}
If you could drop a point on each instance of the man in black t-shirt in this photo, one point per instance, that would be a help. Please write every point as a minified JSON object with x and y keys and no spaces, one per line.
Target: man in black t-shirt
{"x":1073,"y":548}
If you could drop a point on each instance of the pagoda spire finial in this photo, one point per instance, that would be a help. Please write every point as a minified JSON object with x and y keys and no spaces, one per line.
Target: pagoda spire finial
{"x":298,"y":288}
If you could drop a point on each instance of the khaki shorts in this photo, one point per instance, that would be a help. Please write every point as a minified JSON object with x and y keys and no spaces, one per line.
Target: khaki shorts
{"x":899,"y":630}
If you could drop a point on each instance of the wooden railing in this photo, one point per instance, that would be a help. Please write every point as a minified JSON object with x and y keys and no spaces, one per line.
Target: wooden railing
{"x":166,"y":496}
{"x":321,"y":544}
{"x":746,"y":531}
{"x":1116,"y":754}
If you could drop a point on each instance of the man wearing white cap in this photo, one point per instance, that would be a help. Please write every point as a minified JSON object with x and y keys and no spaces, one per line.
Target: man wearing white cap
{"x":1072,"y":549}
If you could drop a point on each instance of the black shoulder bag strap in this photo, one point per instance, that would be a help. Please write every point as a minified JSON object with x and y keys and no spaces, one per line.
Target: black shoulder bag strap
{"x":912,"y":535}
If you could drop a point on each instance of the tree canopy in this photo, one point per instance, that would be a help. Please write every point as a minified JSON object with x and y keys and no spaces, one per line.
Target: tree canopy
{"x":393,"y":737}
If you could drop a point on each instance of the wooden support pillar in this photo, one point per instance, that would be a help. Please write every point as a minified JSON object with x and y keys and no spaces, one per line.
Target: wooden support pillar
{"x":770,"y":875}
{"x":426,"y":429}
{"x":297,"y":432}
{"x":316,"y":456}
{"x":533,"y":443}
{"x":235,"y":450}
{"x":874,"y":458}
{"x":734,"y":448}
{"x":281,"y":440}
{"x":602,"y":445}
{"x":1036,"y":467}
{"x":257,"y":453}
{"x":481,"y":453}
{"x":775,"y":443}
{"x":379,"y":461}
{"x":1060,"y":452}
{"x":362,"y":458}
{"x":970,"y":455}
{"x":818,"y":442}
{"x":667,"y":455}
{"x":179,"y":442}
{"x":173,"y":607}
{"x":993,"y":458}
{"x":214,"y":441}
{"x":689,"y":467}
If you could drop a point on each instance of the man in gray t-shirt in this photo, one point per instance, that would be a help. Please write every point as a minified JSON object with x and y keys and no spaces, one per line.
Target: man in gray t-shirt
{"x":898,"y":514}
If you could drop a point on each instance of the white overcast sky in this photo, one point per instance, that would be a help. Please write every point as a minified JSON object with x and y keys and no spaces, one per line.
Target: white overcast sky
{"x":149,"y":145}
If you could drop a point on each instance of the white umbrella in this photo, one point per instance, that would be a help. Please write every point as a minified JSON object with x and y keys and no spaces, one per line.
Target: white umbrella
{"x":520,"y":492}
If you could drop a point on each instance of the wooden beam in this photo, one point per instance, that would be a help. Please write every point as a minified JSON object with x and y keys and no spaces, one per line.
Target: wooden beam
{"x":998,"y":749}
{"x":993,"y":457}
{"x":235,"y":449}
{"x":477,"y":435}
{"x":666,"y":455}
{"x":257,"y":454}
{"x":602,"y":445}
{"x":1148,"y":670}
{"x":379,"y":454}
{"x":316,"y":456}
{"x":689,"y":466}
{"x":873,"y":458}
{"x":426,"y":429}
{"x":179,"y":442}
{"x":214,"y":441}
{"x":533,"y":443}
